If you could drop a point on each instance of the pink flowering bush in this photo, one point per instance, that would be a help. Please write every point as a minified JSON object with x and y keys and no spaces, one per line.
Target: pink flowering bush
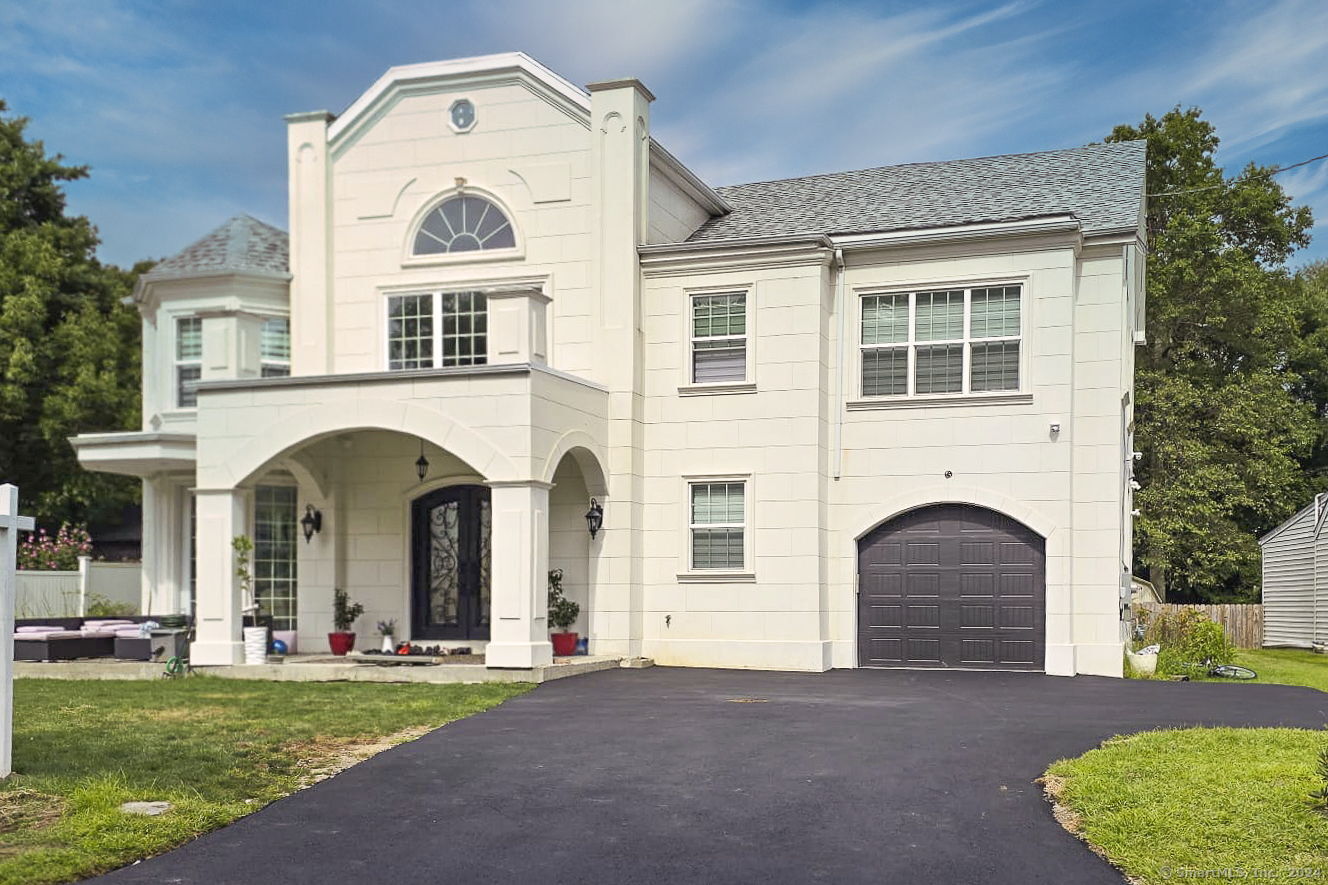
{"x":59,"y":552}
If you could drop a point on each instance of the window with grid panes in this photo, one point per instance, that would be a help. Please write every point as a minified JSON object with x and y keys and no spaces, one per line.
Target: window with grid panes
{"x":274,"y":347}
{"x":941,"y":341}
{"x":718,"y":525}
{"x":436,"y":330}
{"x":719,"y":338}
{"x":276,"y":527}
{"x":188,"y":360}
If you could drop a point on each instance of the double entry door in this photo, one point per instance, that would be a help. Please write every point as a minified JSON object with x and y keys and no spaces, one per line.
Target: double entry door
{"x":450,"y":564}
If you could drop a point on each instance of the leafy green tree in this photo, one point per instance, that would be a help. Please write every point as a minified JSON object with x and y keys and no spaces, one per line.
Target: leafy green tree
{"x":1226,"y":422}
{"x":69,"y":358}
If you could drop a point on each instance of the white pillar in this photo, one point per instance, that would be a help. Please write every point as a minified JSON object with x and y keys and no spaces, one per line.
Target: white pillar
{"x":221,"y":516}
{"x":10,"y":525}
{"x":519,"y":602}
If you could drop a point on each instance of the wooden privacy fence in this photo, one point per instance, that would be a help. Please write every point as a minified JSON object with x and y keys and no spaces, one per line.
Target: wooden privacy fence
{"x":1242,"y":623}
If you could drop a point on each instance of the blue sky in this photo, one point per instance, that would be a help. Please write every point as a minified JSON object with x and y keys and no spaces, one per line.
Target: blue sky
{"x":177,"y":105}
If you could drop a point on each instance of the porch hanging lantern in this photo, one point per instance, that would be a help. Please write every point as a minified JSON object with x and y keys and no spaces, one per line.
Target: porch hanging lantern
{"x":594,"y":518}
{"x":422,"y":464}
{"x":312,"y":523}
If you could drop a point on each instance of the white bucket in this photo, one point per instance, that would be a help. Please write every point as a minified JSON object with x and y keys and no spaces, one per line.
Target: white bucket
{"x":1144,"y":665}
{"x":255,"y":645}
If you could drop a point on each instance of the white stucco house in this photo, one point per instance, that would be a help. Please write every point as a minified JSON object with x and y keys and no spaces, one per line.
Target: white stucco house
{"x":874,"y":418}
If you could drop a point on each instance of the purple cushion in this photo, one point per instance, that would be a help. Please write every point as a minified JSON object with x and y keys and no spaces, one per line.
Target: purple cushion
{"x":54,"y":634}
{"x":37,"y":629}
{"x":94,"y":625}
{"x":129,"y":633}
{"x":96,"y":634}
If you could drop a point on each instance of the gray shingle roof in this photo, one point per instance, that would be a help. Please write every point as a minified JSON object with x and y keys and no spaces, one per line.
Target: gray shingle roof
{"x":243,"y":244}
{"x":1102,"y":185}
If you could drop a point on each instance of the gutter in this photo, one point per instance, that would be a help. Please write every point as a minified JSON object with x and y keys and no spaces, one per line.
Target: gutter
{"x":837,"y":468}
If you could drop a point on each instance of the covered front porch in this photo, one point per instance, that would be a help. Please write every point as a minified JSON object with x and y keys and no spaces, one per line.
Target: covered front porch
{"x":438,"y":500}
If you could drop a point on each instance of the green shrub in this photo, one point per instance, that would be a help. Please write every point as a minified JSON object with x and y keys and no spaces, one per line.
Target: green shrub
{"x":1188,"y":639}
{"x":1320,"y":796}
{"x":101,"y":607}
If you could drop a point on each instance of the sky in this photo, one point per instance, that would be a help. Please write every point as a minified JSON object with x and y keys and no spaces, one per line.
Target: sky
{"x":177,"y":106}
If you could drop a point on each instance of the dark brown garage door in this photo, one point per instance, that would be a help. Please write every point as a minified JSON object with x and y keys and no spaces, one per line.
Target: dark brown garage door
{"x":952,"y":586}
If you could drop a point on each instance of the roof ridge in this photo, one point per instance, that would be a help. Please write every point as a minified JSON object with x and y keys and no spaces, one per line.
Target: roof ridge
{"x":861,"y":170}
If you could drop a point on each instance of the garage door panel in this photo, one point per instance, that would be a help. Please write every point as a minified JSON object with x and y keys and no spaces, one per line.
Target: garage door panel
{"x":977,"y":585}
{"x":922,"y":585}
{"x":966,"y":588}
{"x":918,"y":553}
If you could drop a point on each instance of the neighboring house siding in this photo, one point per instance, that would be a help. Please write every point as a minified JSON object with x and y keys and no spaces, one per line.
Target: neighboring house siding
{"x":1289,"y":582}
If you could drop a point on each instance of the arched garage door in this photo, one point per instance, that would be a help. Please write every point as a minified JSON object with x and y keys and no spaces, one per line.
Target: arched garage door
{"x":952,"y":585}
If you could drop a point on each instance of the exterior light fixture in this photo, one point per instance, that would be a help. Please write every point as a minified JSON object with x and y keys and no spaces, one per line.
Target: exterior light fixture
{"x":594,"y":518}
{"x":312,"y":523}
{"x":422,"y":464}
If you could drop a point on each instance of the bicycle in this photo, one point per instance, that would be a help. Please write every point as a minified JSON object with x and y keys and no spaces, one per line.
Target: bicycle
{"x":1222,"y":671}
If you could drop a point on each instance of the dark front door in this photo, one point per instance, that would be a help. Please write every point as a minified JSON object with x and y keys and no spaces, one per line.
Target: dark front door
{"x":952,"y":585}
{"x":450,"y":564}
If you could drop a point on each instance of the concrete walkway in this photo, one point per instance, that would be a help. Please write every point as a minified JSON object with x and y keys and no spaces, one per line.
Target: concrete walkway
{"x":700,"y":776}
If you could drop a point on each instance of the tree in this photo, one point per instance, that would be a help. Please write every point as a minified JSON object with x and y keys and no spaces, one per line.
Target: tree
{"x":1226,"y":421}
{"x":69,"y":358}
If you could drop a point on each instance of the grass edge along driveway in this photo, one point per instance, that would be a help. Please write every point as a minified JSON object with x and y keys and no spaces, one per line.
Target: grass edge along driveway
{"x":216,"y":749}
{"x":1192,"y":803}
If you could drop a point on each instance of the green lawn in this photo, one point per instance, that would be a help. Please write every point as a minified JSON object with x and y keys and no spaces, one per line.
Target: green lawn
{"x":218,"y":749}
{"x":1164,"y":805}
{"x":1286,"y":666}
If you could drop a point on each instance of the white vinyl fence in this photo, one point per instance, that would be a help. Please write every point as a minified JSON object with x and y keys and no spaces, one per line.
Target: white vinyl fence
{"x":59,"y":594}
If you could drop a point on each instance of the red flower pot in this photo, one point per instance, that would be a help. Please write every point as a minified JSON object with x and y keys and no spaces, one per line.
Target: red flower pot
{"x":564,"y":644}
{"x":340,"y":643}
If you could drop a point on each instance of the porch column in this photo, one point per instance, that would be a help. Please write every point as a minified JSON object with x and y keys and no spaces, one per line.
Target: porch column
{"x":221,"y":516}
{"x":519,"y":572}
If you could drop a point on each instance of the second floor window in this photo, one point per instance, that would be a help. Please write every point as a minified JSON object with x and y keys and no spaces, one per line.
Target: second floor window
{"x":274,"y":347}
{"x":719,"y":338}
{"x":437,"y":330}
{"x":941,"y":342}
{"x":188,"y":360}
{"x":463,"y":223}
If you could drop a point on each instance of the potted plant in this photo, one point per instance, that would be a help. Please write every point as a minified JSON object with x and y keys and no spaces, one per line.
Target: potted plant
{"x":255,"y":637}
{"x":562,"y":614}
{"x":344,"y":613}
{"x":388,"y":629}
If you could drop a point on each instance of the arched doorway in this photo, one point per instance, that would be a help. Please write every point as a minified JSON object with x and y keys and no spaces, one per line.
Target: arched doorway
{"x":450,"y":563}
{"x":952,"y":585}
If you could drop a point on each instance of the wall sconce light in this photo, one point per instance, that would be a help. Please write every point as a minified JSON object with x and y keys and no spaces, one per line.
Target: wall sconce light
{"x":422,"y":464}
{"x":312,"y":523}
{"x":594,"y":518}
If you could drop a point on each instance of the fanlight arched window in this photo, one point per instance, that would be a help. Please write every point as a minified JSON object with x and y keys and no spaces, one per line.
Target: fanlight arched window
{"x":464,"y":223}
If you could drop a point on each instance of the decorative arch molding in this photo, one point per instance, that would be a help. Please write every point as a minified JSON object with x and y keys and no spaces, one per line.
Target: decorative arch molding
{"x":586,"y":452}
{"x":283,"y":437}
{"x":926,"y":497}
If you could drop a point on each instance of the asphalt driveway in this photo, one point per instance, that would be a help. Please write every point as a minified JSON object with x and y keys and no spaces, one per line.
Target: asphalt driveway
{"x":698,"y":776}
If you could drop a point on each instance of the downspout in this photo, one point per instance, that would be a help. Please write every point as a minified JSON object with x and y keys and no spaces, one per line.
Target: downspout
{"x":838,"y":465}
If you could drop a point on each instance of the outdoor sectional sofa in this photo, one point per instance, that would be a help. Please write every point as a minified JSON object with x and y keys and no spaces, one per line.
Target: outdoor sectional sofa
{"x":65,"y":639}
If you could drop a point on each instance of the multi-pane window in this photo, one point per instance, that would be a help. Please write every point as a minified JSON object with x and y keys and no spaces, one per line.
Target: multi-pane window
{"x":274,"y":347}
{"x":276,"y":527}
{"x":718,"y":525}
{"x":464,"y":224}
{"x":719,"y":338}
{"x":188,"y":360}
{"x":943,"y":341}
{"x":436,"y":330}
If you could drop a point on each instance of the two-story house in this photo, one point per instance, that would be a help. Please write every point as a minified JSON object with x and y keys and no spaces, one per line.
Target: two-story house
{"x":877,"y":418}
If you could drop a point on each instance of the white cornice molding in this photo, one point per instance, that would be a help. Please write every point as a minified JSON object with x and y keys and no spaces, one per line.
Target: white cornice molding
{"x":687,"y":180}
{"x":500,"y":65}
{"x":1056,"y":224}
{"x":753,"y":254}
